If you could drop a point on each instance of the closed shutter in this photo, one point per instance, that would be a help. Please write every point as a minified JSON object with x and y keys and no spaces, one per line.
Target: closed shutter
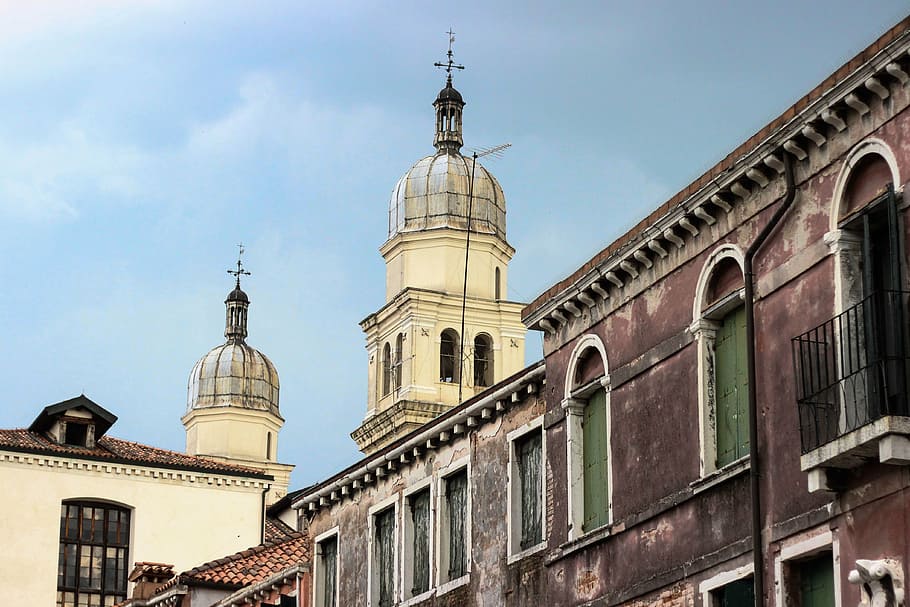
{"x":384,"y":555}
{"x":816,"y":582}
{"x":456,"y":502}
{"x":529,"y":468}
{"x":420,"y":523}
{"x":594,"y":454}
{"x":329,"y":559}
{"x":731,"y":388}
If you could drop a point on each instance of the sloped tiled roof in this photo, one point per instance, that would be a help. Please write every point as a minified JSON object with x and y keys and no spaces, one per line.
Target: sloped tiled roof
{"x":252,"y":565}
{"x":115,"y":450}
{"x":277,"y":530}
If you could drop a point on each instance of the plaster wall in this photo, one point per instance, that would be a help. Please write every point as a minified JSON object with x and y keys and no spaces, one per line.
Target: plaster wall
{"x":172,"y":520}
{"x":492,"y":580}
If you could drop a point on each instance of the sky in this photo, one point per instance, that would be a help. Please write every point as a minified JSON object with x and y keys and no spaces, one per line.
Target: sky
{"x":141,"y":141}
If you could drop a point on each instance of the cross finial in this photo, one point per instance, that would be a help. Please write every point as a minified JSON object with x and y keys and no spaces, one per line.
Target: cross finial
{"x":239,"y":271}
{"x":450,"y":64}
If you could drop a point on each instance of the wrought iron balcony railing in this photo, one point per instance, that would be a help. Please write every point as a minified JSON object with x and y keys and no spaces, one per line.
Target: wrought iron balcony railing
{"x":852,"y":369}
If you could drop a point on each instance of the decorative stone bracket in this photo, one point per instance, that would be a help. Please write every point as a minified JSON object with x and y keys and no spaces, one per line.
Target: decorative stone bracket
{"x":882,"y":582}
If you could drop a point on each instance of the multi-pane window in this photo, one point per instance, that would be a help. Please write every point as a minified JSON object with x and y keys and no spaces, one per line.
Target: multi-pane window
{"x":327,"y":568}
{"x":595,"y":461}
{"x":384,"y":557}
{"x":455,"y":555}
{"x":530,"y":489}
{"x":740,"y":593}
{"x":448,"y":359}
{"x":94,"y":554}
{"x":731,"y":388}
{"x":417,"y":542}
{"x":483,"y":360}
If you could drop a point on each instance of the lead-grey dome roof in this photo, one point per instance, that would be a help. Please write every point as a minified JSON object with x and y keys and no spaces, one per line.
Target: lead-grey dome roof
{"x":434,"y":193}
{"x":234,"y":375}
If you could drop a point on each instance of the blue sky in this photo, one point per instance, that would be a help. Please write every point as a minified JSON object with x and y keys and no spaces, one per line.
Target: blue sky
{"x":141,"y":141}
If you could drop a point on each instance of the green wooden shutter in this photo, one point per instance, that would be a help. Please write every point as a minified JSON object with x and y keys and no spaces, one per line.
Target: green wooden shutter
{"x":594,"y":455}
{"x":816,"y":582}
{"x":731,"y":388}
{"x":736,"y":594}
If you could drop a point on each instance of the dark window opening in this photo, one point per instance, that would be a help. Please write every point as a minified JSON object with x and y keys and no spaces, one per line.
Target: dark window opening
{"x":76,"y":434}
{"x":483,"y":361}
{"x":420,"y":547}
{"x":457,"y":511}
{"x":396,"y":371}
{"x":740,"y":593}
{"x":448,"y":359}
{"x":528,"y":453}
{"x":328,"y":554}
{"x":386,"y":369}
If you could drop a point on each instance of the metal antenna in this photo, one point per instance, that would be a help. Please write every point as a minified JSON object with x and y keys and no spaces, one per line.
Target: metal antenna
{"x":239,"y":271}
{"x":496,"y":152}
{"x":450,"y":64}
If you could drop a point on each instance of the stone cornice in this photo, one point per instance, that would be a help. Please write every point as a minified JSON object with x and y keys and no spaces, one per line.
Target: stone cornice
{"x":132,"y":470}
{"x":804,"y":134}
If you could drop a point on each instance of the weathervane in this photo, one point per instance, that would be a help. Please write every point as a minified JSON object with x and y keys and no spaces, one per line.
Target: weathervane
{"x":450,"y":64}
{"x":239,"y":271}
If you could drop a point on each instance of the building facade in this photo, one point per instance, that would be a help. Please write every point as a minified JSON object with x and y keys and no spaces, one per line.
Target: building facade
{"x":726,"y":384}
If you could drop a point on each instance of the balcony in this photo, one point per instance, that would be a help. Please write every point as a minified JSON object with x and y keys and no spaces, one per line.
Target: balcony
{"x":851,"y":385}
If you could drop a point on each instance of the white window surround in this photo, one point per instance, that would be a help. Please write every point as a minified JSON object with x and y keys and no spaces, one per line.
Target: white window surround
{"x":573,"y":405}
{"x":319,"y":566}
{"x":372,"y":590}
{"x":706,"y":587}
{"x":513,"y":512}
{"x":407,"y":536}
{"x":704,"y":331}
{"x":442,"y":539}
{"x":845,"y":246}
{"x":804,"y":546}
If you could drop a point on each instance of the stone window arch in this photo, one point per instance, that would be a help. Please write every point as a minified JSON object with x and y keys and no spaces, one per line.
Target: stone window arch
{"x":448,"y":356}
{"x":396,"y":371}
{"x":386,"y":369}
{"x":587,"y":408}
{"x":483,"y":360}
{"x":864,"y":189}
{"x":718,"y":326}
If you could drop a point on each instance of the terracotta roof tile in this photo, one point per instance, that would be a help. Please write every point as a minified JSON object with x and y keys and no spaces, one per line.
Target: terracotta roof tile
{"x":276,"y":529}
{"x":252,"y":565}
{"x":108,"y":448}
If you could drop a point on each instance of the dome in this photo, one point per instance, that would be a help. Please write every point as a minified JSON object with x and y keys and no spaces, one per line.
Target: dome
{"x":435,"y":192}
{"x":449,"y":94}
{"x":234,"y":375}
{"x":237,"y":295}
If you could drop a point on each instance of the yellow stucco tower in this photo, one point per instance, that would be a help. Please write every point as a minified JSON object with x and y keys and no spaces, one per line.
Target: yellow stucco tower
{"x":232,"y":401}
{"x":421,"y":358}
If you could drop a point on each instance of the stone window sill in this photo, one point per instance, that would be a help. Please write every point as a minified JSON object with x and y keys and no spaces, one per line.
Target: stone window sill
{"x":722,"y":475}
{"x":453,"y":584}
{"x":514,"y":558}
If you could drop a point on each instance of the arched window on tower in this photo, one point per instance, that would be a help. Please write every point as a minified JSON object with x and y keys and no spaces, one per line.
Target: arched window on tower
{"x":448,"y":359}
{"x":396,"y":372}
{"x":386,"y":369}
{"x":483,"y":360}
{"x":497,"y":293}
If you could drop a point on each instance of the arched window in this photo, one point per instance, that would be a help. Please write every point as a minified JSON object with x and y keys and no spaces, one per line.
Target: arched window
{"x":587,"y":406}
{"x":497,"y":293}
{"x":268,"y":445}
{"x":396,"y":375}
{"x":448,"y":358}
{"x":386,"y":369}
{"x":483,"y":360}
{"x":94,"y":554}
{"x":719,"y":327}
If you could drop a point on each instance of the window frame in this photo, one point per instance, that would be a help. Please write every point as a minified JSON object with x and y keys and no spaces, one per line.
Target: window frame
{"x":407,"y":536}
{"x":576,"y":397}
{"x":514,"y":512}
{"x":372,"y":566}
{"x":452,"y":358}
{"x":105,"y":544}
{"x":704,"y":329}
{"x":804,"y":546}
{"x":444,"y":583}
{"x":319,"y":566}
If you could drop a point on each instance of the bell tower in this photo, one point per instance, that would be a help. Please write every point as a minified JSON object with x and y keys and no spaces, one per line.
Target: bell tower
{"x":447,"y":262}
